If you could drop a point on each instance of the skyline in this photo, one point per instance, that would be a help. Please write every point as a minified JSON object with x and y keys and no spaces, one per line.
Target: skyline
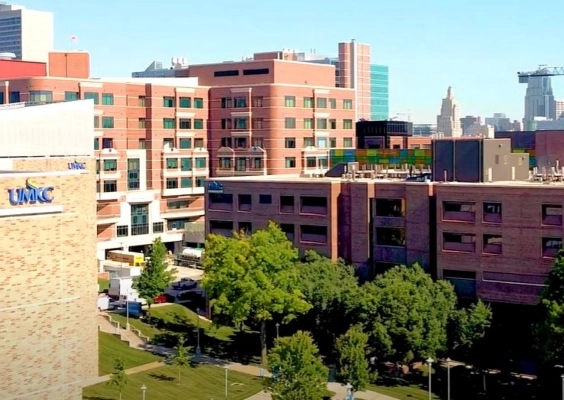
{"x":481,"y":67}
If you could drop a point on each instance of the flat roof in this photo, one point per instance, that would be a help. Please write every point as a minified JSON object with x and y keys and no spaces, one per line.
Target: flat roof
{"x":241,"y":62}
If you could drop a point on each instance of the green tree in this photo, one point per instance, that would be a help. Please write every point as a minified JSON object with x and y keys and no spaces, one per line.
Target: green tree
{"x":406,"y":314}
{"x":181,"y":357}
{"x":467,"y":330}
{"x":549,"y":330}
{"x":297,"y":370}
{"x":331,"y":288}
{"x":156,"y":277}
{"x":118,"y":377}
{"x":352,"y":362}
{"x":250,"y":279}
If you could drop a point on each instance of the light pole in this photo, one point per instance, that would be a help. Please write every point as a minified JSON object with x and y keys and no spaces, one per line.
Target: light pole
{"x":198,"y":350}
{"x":143,"y":390}
{"x":277,"y":330}
{"x":226,"y":372}
{"x":562,"y":386}
{"x":350,"y":395}
{"x":430,"y":363}
{"x":126,"y":314}
{"x":448,"y":360}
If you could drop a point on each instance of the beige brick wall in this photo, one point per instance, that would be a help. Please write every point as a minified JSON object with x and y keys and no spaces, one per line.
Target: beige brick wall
{"x":48,"y":328}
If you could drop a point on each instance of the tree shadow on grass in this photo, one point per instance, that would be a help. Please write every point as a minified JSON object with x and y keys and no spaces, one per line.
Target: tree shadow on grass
{"x":162,"y":377}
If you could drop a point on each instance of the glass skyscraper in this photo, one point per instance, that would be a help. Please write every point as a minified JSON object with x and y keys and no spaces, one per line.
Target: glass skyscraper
{"x":379,"y":92}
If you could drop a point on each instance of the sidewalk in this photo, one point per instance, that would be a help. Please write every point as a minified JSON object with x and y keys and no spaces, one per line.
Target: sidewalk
{"x":130,"y":371}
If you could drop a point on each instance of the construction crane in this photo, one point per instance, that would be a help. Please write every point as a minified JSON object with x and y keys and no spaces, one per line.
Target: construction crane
{"x":543,"y":70}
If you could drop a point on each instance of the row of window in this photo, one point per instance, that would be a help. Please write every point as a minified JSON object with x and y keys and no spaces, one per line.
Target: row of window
{"x":181,"y":143}
{"x":312,"y":205}
{"x":143,"y":228}
{"x":289,"y":102}
{"x":181,"y":123}
{"x":184,"y":183}
{"x":244,"y":123}
{"x":320,"y":142}
{"x":313,"y":234}
{"x":185,"y":163}
{"x":241,"y":163}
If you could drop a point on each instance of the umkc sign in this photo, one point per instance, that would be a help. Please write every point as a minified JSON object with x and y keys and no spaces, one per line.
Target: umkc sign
{"x":30,"y":194}
{"x":77,"y":165}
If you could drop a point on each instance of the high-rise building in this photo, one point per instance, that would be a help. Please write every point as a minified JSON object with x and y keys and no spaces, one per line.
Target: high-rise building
{"x":500,"y":122}
{"x":539,"y":99}
{"x":559,"y":105}
{"x":379,"y":92}
{"x":354,"y":73}
{"x":448,"y":122}
{"x":28,"y":34}
{"x":467,"y":121}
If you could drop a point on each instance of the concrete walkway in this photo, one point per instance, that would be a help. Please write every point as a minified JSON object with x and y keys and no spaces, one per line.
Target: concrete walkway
{"x":130,"y":371}
{"x":340,"y":394}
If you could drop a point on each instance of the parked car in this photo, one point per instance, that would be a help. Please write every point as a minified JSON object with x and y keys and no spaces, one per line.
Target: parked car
{"x":161,"y":299}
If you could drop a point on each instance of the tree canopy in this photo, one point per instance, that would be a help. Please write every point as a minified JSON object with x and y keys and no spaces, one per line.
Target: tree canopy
{"x":297,"y":370}
{"x":251,"y":279}
{"x":467,"y":329}
{"x":352,"y":362}
{"x":118,"y":377}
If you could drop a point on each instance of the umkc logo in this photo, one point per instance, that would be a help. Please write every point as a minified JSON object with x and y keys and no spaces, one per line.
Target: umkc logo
{"x":77,"y":165}
{"x":31,"y":194}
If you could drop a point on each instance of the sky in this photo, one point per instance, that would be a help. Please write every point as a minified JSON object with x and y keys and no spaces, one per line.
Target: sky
{"x":475,"y":46}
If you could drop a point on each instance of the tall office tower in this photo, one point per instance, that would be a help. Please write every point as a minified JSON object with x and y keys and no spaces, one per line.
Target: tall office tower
{"x":448,"y":122}
{"x":539,"y":99}
{"x":559,"y":107}
{"x":354,"y":73}
{"x":26,"y":33}
{"x":379,"y":92}
{"x":467,"y":121}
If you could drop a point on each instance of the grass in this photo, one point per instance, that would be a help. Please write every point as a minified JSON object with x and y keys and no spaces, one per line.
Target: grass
{"x":173,"y":320}
{"x":104,"y":284}
{"x":111,"y":347}
{"x":199,"y":383}
{"x":410,"y":392}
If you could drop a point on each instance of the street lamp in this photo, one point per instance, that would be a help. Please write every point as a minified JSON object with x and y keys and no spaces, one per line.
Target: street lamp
{"x":430,"y":362}
{"x":143,"y":390}
{"x":448,"y":360}
{"x":562,"y":386}
{"x":349,"y":388}
{"x":226,"y":372}
{"x":126,"y":314}
{"x":277,"y":330}
{"x":198,"y":350}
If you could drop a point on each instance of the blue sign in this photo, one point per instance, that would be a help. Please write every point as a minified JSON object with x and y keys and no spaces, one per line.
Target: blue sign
{"x":215,"y":187}
{"x":30,"y":194}
{"x":77,"y":165}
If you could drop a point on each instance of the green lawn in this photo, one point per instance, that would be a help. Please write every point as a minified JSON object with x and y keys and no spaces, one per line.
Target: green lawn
{"x":199,"y":383}
{"x":111,"y":347}
{"x":104,"y":284}
{"x":410,"y":392}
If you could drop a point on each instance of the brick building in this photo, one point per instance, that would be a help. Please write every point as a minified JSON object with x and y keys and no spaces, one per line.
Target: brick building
{"x":48,"y":270}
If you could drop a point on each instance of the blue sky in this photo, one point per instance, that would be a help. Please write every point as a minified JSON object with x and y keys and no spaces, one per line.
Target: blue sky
{"x":477,"y":46}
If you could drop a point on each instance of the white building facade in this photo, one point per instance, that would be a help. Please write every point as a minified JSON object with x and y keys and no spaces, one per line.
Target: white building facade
{"x":448,"y":121}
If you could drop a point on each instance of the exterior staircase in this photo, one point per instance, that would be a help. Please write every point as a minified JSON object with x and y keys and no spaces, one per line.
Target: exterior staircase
{"x":132,"y":336}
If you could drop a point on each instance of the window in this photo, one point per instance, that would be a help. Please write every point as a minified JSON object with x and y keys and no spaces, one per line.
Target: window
{"x":258,"y":142}
{"x":462,"y":242}
{"x":199,"y":143}
{"x":308,"y":123}
{"x":107,"y":143}
{"x":40,"y":96}
{"x":225,"y":163}
{"x":14,"y":97}
{"x":168,"y":143}
{"x":492,"y":212}
{"x":186,"y":182}
{"x":265,"y":199}
{"x":459,"y":211}
{"x":289,"y":123}
{"x":390,"y":208}
{"x":168,"y":102}
{"x":321,"y":123}
{"x":552,"y":214}
{"x":96,"y":144}
{"x":141,"y":101}
{"x":226,"y":123}
{"x":107,"y":99}
{"x":290,"y":162}
{"x":71,"y":96}
{"x":332,"y":124}
{"x":347,"y":104}
{"x":110,"y":186}
{"x":286,"y":204}
{"x":492,"y":244}
{"x":348,"y":142}
{"x":313,"y":205}
{"x":177,"y":204}
{"x":142,"y":123}
{"x":258,"y":123}
{"x":133,"y":176}
{"x":332,"y":104}
{"x":226,"y":142}
{"x":226,"y":102}
{"x":185,"y":164}
{"x":311,"y":162}
{"x":142,"y":144}
{"x":230,"y":72}
{"x":308,"y":142}
{"x":241,"y":123}
{"x":313,"y":234}
{"x":172,"y":183}
{"x":245,"y":227}
{"x":201,"y":162}
{"x":321,"y":102}
{"x":289,"y":230}
{"x":110,"y":165}
{"x":185,"y":102}
{"x":184,"y":123}
{"x":347,"y":124}
{"x":122,"y":230}
{"x":390,"y":237}
{"x":96,"y":122}
{"x":184,"y":143}
{"x":223,"y":227}
{"x":220,"y":201}
{"x":92,"y":96}
{"x":107,"y":122}
{"x":256,"y":71}
{"x":200,"y":182}
{"x":168,"y":123}
{"x":1,"y":97}
{"x":290,"y":101}
{"x":240,"y":143}
{"x":322,"y":143}
{"x":245,"y":202}
{"x":240,"y":102}
{"x":257,"y":101}
{"x":158,"y":227}
{"x":172,"y":163}
{"x":198,"y":123}
{"x":332,"y":142}
{"x":176,"y":224}
{"x":551,"y":246}
{"x":290,"y":143}
{"x":308,"y":102}
{"x":198,"y":102}
{"x":139,"y":219}
{"x":323,"y":162}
